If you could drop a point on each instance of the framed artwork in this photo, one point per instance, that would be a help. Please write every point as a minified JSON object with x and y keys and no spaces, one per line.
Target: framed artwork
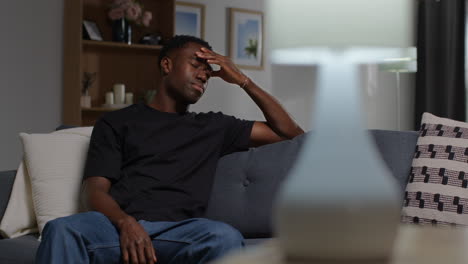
{"x":246,"y":38}
{"x":91,"y":31}
{"x":190,"y":19}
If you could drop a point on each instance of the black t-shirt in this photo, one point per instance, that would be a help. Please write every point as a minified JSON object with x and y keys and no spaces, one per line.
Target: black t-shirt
{"x":162,"y":165}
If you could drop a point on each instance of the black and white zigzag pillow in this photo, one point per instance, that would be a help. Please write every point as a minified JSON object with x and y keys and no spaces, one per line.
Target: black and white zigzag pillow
{"x":437,"y":189}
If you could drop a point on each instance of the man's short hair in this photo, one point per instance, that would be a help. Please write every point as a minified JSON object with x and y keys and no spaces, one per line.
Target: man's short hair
{"x":179,"y":41}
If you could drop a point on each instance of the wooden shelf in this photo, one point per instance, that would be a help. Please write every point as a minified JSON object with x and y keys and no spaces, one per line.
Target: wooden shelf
{"x":134,"y":65}
{"x":100,"y":109}
{"x":109,"y":44}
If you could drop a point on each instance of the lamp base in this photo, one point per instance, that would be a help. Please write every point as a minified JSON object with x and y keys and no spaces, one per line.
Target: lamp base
{"x":340,"y":202}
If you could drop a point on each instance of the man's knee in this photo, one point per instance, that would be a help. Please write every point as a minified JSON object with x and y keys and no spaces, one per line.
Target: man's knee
{"x":223,"y":235}
{"x":64,"y":225}
{"x":55,"y":227}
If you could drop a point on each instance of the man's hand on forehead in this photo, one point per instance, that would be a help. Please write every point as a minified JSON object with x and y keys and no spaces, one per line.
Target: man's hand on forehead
{"x":227,"y":69}
{"x":204,"y":61}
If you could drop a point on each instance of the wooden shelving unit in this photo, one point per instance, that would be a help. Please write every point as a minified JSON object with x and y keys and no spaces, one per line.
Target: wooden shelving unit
{"x":99,"y":109}
{"x":110,"y":44}
{"x":134,"y":65}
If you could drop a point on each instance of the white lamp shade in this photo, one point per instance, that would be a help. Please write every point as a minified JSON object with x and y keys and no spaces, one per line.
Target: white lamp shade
{"x":340,"y":23}
{"x":407,"y":63}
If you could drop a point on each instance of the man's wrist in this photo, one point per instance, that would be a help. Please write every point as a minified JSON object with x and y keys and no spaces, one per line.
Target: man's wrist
{"x":124,"y":220}
{"x":244,"y":82}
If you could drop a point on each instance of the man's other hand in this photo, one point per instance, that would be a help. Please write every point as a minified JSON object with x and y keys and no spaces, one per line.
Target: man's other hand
{"x":135,"y":243}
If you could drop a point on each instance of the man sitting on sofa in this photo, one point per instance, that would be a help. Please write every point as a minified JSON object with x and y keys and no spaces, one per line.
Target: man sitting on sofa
{"x":150,"y":169}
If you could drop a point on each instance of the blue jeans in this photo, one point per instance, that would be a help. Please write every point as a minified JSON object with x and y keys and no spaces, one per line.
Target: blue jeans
{"x":91,"y":238}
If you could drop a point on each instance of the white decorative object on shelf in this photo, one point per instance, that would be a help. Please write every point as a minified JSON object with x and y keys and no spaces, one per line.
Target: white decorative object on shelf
{"x":129,"y":98}
{"x":340,"y":202}
{"x":109,"y":98}
{"x":119,"y":93}
{"x":85,"y":101}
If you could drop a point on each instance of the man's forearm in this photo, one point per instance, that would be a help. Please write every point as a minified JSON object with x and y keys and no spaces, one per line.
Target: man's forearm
{"x":133,"y":237}
{"x":276,"y":116}
{"x":278,"y":120}
{"x":101,"y":201}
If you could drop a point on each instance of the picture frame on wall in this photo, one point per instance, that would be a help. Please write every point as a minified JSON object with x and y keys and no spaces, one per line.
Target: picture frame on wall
{"x":91,"y":31}
{"x":190,"y":19}
{"x":246,"y":38}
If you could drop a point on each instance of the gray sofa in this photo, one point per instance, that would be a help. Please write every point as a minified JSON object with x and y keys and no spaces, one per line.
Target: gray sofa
{"x":244,"y":188}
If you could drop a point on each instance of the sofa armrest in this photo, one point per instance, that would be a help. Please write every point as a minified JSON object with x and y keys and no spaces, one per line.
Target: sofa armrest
{"x":6,"y":184}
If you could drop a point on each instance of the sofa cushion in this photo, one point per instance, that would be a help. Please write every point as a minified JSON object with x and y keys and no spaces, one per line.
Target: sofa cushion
{"x":437,"y":191}
{"x":21,"y":250}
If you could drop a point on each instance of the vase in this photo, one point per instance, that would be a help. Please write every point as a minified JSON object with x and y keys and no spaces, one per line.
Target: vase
{"x":85,"y":101}
{"x":340,"y":201}
{"x":122,"y":31}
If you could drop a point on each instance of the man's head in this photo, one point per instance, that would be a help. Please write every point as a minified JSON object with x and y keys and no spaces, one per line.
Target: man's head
{"x":178,"y":42}
{"x":185,"y":76}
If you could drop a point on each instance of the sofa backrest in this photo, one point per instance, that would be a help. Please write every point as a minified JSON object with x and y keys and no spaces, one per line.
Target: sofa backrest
{"x":246,"y":182}
{"x":6,"y":184}
{"x":397,"y":150}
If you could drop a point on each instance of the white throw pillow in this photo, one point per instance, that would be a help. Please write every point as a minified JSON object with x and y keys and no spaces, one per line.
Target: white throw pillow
{"x":55,"y":165}
{"x":437,"y":191}
{"x":19,"y":218}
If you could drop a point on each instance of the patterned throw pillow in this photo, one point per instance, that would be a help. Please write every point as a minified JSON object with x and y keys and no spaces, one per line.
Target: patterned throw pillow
{"x":437,"y":187}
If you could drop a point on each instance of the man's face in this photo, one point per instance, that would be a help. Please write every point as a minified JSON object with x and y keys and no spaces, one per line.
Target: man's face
{"x":188,"y":77}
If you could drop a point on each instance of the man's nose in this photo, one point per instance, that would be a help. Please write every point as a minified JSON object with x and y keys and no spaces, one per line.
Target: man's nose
{"x":203,"y":75}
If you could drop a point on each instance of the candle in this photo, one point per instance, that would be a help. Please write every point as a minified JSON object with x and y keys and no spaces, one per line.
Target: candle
{"x":129,"y":98}
{"x":109,"y":98}
{"x":119,"y":93}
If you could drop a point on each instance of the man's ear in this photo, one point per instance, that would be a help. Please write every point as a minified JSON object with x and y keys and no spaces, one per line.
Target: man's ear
{"x":166,"y":65}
